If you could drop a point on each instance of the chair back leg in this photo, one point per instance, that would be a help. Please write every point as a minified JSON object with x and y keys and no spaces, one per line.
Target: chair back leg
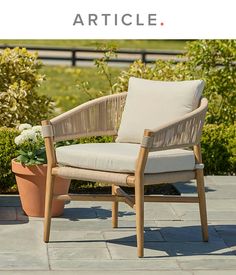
{"x":114,"y":210}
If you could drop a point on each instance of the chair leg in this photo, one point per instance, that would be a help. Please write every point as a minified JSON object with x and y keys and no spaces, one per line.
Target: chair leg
{"x":114,"y":210}
{"x":139,"y":206}
{"x":48,"y":206}
{"x":202,"y":204}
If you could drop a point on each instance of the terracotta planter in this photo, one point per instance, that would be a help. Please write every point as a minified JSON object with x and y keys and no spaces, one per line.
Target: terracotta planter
{"x":31,"y":183}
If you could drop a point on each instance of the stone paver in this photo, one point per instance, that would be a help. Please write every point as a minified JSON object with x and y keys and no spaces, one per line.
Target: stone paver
{"x":216,"y":187}
{"x":213,"y":264}
{"x":75,"y":253}
{"x":214,"y":272}
{"x":117,"y":265}
{"x":185,"y":231}
{"x":21,"y":246}
{"x":101,"y":272}
{"x":82,"y":240}
{"x":130,"y":236}
{"x":172,"y":249}
{"x":220,"y":194}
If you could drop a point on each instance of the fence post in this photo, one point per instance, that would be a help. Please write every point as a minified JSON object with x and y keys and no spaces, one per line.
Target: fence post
{"x":73,"y":58}
{"x":143,"y":54}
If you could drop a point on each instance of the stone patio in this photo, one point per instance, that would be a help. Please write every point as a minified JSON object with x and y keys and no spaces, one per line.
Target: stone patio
{"x":82,"y":240}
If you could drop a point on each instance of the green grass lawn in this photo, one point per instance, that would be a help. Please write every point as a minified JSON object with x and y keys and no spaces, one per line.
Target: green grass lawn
{"x":61,"y":84}
{"x":128,"y":44}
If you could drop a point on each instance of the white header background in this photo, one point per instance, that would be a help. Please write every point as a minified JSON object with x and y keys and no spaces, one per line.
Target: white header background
{"x":53,"y":19}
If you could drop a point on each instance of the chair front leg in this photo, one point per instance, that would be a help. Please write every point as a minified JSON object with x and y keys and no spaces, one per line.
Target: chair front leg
{"x":139,"y":207}
{"x":115,"y":206}
{"x":48,"y":204}
{"x":51,"y":160}
{"x":139,"y":191}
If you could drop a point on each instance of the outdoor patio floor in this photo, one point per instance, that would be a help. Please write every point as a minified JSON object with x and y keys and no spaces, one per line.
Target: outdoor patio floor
{"x":83,"y":241}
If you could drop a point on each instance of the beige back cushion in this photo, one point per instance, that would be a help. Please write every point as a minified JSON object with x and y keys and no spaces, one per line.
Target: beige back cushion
{"x":152,"y":103}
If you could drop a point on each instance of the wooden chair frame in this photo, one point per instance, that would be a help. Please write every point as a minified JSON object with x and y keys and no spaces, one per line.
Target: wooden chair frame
{"x":102,"y":117}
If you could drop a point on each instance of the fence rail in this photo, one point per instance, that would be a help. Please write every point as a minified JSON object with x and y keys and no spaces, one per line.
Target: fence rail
{"x":74,"y":55}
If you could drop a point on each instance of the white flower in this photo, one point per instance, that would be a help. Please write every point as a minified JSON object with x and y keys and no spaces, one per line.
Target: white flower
{"x":24,"y":126}
{"x":20,"y":139}
{"x":29,"y":134}
{"x":37,"y":129}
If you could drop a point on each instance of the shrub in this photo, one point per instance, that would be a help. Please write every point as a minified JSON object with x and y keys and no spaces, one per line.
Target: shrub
{"x":8,"y":151}
{"x":210,"y":60}
{"x":160,"y":70}
{"x":214,"y":61}
{"x":219,"y":149}
{"x":19,"y":78}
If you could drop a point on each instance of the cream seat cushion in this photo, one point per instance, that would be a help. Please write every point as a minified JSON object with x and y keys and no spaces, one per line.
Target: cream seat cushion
{"x":121,"y":157}
{"x":152,"y":103}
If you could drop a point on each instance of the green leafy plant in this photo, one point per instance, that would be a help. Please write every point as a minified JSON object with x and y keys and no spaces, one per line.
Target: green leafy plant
{"x":219,"y":149}
{"x":8,"y":151}
{"x":31,"y":150}
{"x":210,"y":60}
{"x":85,"y":88}
{"x":160,"y":70}
{"x":19,"y":78}
{"x":103,"y":69}
{"x":102,"y":63}
{"x":214,"y":61}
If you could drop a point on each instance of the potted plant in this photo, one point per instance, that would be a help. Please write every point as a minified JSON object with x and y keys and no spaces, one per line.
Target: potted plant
{"x":30,"y":170}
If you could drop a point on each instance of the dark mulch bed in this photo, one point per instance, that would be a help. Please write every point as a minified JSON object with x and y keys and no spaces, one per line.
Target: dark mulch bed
{"x":161,"y":189}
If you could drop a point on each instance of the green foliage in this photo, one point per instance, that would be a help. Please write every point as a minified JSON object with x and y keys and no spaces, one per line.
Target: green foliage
{"x":19,"y":77}
{"x":8,"y":151}
{"x":160,"y":70}
{"x":104,"y":70}
{"x":85,"y":89}
{"x":210,"y":60}
{"x":219,"y":149}
{"x":214,"y":61}
{"x":98,"y":139}
{"x":31,"y":155}
{"x":102,"y":63}
{"x":62,"y":85}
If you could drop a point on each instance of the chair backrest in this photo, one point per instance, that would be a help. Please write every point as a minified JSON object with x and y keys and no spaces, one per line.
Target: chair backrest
{"x":152,"y":103}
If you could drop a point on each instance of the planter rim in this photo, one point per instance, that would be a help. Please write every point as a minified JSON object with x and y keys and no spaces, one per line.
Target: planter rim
{"x":31,"y":170}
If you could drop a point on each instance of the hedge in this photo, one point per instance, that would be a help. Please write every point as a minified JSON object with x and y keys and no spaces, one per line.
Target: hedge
{"x":218,"y":148}
{"x":7,"y":153}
